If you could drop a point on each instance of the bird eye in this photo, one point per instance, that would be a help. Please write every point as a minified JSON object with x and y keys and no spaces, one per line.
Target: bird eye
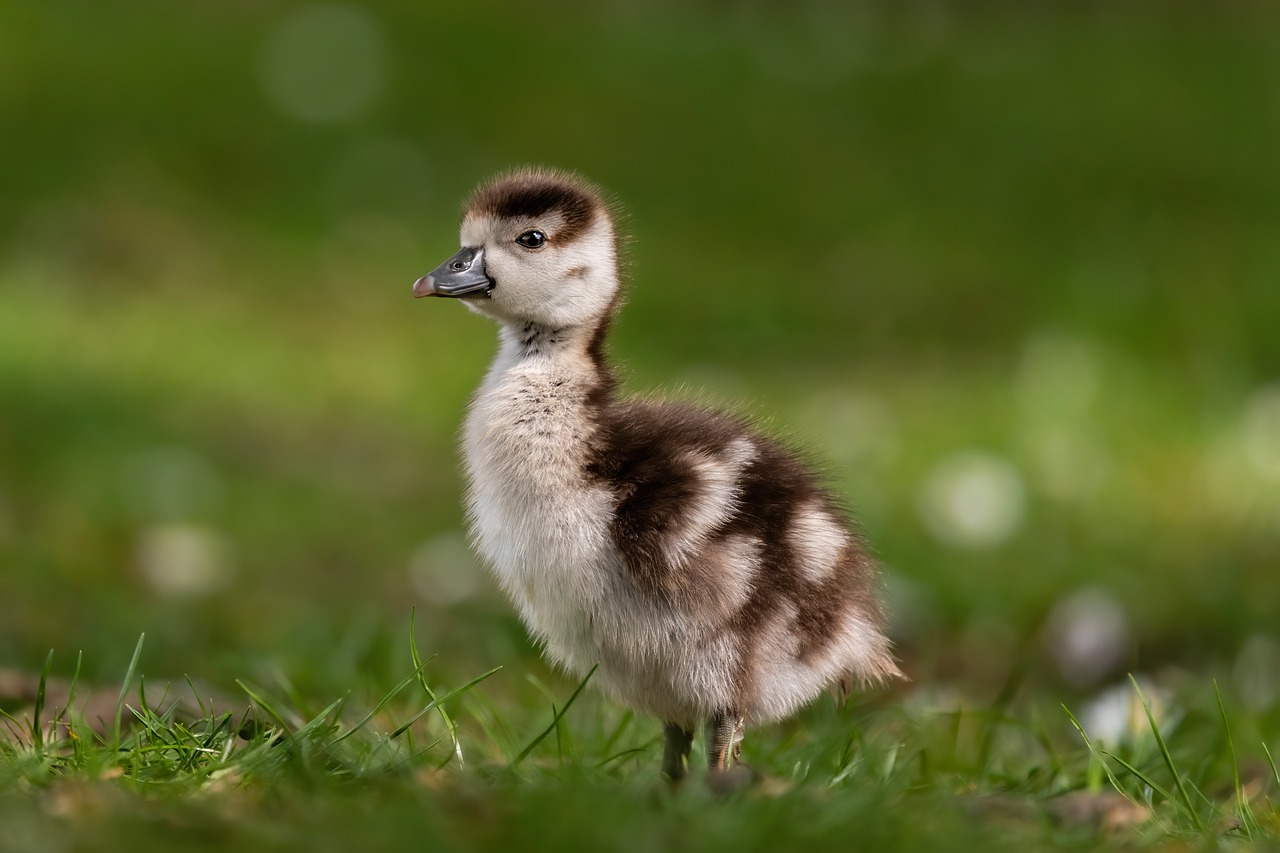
{"x":532,"y":239}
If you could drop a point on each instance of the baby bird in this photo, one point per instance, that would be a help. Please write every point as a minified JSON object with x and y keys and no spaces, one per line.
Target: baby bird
{"x":699,"y":564}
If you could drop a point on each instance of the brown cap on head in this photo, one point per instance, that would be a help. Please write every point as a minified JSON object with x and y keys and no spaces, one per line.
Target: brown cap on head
{"x":530,"y":192}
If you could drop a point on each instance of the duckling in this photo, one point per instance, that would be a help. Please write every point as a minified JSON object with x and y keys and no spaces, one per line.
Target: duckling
{"x":696,"y":563}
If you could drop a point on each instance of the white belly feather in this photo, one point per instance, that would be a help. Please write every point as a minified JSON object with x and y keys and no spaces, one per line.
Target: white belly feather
{"x":540,"y":525}
{"x":544,"y":529}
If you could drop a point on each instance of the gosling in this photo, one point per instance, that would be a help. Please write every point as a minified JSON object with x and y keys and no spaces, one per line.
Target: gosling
{"x":700,"y":566}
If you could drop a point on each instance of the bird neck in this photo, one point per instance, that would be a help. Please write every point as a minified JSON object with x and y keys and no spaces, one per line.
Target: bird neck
{"x":577,"y":351}
{"x":531,"y":341}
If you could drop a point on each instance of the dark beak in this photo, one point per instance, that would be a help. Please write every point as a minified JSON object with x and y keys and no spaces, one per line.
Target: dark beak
{"x":461,"y":275}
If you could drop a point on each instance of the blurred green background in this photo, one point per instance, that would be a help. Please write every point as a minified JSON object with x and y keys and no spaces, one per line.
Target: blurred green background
{"x":1010,"y":271}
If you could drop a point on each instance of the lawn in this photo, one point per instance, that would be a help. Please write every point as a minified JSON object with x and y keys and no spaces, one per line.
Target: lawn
{"x":1009,"y":273}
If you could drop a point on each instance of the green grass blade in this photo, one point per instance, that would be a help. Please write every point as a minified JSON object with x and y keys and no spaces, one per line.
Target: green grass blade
{"x":1168,"y":758}
{"x":142,"y":693}
{"x":1243,"y":810}
{"x":321,"y":720}
{"x":626,"y":753}
{"x":1271,"y":761}
{"x":549,"y":694}
{"x":433,"y":704}
{"x":1098,"y":757}
{"x":12,"y":729}
{"x":395,"y":691}
{"x":204,"y":712}
{"x":449,"y":724}
{"x":206,"y":744}
{"x":75,"y":680}
{"x":556,"y":719}
{"x":624,"y":723}
{"x":268,"y":707}
{"x":559,"y":741}
{"x":1041,"y":732}
{"x":69,"y":711}
{"x":1146,"y":780}
{"x":37,"y":727}
{"x":124,"y":689}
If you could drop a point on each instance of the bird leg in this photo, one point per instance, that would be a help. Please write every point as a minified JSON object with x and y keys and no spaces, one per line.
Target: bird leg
{"x":675,"y":752}
{"x":724,"y":740}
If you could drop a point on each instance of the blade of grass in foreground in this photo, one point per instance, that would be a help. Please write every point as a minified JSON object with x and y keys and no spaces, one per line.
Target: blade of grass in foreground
{"x":124,"y":689}
{"x":1168,"y":759}
{"x":327,"y":718}
{"x":1144,"y":779}
{"x":1098,"y":756}
{"x":555,"y":720}
{"x":628,"y":717}
{"x":195,"y":693}
{"x":1274,"y":770}
{"x":550,"y":696}
{"x":69,"y":711}
{"x":268,"y":707}
{"x":37,"y":728}
{"x":299,"y":739}
{"x":1243,"y":810}
{"x":449,"y":724}
{"x":395,"y":691}
{"x":457,"y":691}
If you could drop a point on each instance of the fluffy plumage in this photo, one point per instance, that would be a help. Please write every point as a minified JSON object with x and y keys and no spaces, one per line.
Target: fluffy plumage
{"x":702,"y":565}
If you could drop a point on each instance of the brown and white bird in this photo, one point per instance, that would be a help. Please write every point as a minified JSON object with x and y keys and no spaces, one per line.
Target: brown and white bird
{"x":700,"y":564}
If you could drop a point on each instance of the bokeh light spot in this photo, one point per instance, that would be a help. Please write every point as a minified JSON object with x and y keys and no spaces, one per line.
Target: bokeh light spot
{"x":183,"y":560}
{"x":973,"y":500}
{"x":1260,"y":431}
{"x":1241,"y":466}
{"x":1116,"y":715}
{"x":1087,"y":635}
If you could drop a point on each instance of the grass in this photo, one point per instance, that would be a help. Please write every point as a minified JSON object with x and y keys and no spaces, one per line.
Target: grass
{"x":276,"y":769}
{"x":946,"y":246}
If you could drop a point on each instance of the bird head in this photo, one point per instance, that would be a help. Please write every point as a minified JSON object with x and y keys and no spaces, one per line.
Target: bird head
{"x":537,"y":246}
